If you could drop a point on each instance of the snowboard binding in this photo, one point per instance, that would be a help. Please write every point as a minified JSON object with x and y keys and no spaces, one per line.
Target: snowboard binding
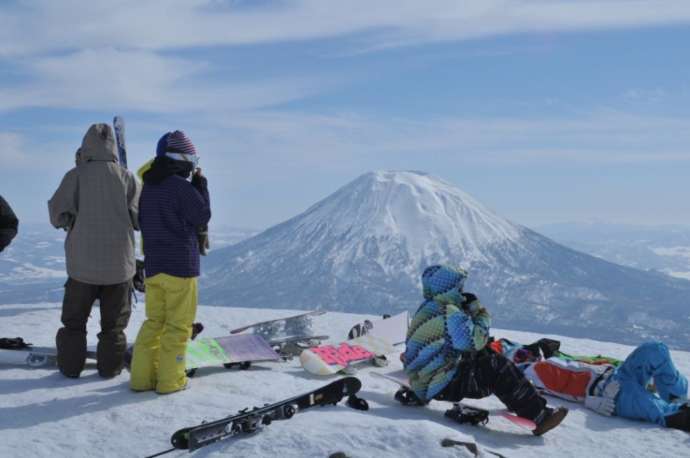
{"x":16,"y":343}
{"x":465,"y":414}
{"x":298,"y":326}
{"x":357,"y":403}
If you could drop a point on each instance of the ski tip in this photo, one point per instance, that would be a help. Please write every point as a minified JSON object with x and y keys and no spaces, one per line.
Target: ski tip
{"x":180,"y":439}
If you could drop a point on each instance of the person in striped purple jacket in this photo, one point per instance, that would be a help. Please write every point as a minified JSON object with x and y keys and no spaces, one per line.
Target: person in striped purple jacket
{"x":171,"y":209}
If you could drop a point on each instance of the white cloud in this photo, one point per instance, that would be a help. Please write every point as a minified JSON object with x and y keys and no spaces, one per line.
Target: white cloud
{"x":21,"y":153}
{"x":116,"y":54}
{"x":46,"y":25}
{"x":350,"y":141}
{"x":142,"y":81}
{"x":285,"y":143}
{"x":12,"y":153}
{"x":653,"y":95}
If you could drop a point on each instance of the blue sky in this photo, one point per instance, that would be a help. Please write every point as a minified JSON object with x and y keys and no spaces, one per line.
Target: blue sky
{"x":544,"y":110}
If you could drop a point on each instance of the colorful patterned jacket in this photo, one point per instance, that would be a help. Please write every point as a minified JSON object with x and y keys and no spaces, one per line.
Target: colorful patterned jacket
{"x":448,"y":324}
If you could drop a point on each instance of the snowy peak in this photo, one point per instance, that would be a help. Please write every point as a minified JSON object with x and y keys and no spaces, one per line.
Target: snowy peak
{"x":424,"y":212}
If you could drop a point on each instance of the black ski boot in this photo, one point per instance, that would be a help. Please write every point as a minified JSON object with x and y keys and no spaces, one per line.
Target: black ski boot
{"x":550,"y":418}
{"x":680,"y":420}
{"x":406,"y":397}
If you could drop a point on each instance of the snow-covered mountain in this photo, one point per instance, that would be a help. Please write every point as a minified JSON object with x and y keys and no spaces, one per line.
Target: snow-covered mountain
{"x":363,"y":248}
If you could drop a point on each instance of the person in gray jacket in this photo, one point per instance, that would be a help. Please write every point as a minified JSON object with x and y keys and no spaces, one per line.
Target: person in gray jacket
{"x":97,"y":204}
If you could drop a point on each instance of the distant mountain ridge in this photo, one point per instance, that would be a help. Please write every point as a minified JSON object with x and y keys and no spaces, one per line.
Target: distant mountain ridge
{"x":662,"y":248}
{"x":363,"y":248}
{"x":32,"y":268}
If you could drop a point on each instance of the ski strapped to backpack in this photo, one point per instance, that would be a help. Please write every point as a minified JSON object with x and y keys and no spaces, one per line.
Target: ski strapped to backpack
{"x":119,"y":128}
{"x":252,"y":420}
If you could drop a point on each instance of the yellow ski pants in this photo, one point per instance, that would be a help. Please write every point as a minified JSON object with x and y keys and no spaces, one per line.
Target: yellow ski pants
{"x":158,"y":362}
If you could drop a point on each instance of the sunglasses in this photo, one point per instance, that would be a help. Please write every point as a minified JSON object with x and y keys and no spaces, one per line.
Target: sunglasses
{"x":193,"y":158}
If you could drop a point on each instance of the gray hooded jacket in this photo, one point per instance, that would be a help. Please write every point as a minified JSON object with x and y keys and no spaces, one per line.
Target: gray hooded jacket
{"x":97,"y":203}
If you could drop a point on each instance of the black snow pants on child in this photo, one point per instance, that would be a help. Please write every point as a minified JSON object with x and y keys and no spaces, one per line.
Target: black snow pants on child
{"x":485,"y":373}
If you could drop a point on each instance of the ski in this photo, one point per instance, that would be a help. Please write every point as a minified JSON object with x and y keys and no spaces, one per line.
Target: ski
{"x":119,"y":127}
{"x":252,"y":420}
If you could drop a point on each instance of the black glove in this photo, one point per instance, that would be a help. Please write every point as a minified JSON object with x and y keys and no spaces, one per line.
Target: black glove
{"x":199,"y":182}
{"x":202,"y":238}
{"x":469,"y":303}
{"x":139,"y":277}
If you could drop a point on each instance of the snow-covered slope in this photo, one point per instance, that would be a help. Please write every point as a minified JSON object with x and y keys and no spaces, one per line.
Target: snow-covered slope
{"x":363,"y":248}
{"x":43,"y":414}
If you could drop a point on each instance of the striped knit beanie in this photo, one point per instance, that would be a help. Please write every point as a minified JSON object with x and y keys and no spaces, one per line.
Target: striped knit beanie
{"x":175,"y":142}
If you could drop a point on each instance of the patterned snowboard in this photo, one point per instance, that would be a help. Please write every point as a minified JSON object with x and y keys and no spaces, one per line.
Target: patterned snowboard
{"x":331,"y":359}
{"x":219,"y":351}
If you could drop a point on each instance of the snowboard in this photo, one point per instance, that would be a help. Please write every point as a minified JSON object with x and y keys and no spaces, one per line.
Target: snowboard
{"x":252,"y":420}
{"x":22,"y":353}
{"x":391,"y":328}
{"x":226,"y":351}
{"x":119,"y":128}
{"x":331,"y":359}
{"x":282,"y":327}
{"x":461,"y":411}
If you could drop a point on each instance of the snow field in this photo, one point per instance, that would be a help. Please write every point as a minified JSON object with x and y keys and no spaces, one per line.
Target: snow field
{"x":43,"y":414}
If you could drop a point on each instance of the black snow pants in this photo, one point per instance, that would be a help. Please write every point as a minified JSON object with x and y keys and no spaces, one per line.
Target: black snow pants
{"x":487,"y":372}
{"x":116,"y":307}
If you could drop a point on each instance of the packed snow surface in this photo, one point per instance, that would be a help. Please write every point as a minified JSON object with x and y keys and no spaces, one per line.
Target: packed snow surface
{"x":43,"y":414}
